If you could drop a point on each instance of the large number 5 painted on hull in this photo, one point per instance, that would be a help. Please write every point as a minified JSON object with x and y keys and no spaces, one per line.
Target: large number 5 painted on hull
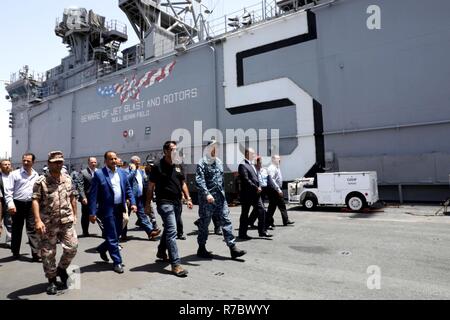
{"x":240,"y":98}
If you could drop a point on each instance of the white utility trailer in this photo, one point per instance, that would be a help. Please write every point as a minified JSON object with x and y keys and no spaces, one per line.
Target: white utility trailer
{"x":356,"y":190}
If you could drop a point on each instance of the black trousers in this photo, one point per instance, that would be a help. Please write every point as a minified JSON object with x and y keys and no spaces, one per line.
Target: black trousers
{"x":85,"y":219}
{"x":179,"y":221}
{"x":23,"y":215}
{"x":276,"y":201}
{"x":254,"y":214}
{"x":257,"y":205}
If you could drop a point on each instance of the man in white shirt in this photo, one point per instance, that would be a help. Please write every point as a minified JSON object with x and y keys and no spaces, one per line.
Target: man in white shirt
{"x":276,"y":198}
{"x":107,"y":198}
{"x":5,"y":217}
{"x":1,"y":209}
{"x":18,"y":193}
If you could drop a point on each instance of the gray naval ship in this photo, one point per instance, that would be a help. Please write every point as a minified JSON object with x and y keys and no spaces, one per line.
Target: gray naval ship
{"x":331,"y":85}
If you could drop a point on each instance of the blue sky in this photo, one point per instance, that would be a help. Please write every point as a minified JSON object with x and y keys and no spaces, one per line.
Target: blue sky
{"x":27,"y":38}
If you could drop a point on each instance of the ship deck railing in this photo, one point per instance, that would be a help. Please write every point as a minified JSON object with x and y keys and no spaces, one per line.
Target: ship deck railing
{"x":259,"y":12}
{"x":115,"y":25}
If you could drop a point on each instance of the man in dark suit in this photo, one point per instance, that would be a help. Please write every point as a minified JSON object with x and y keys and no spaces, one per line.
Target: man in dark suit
{"x":250,"y":196}
{"x":84,"y":187}
{"x":110,"y":189}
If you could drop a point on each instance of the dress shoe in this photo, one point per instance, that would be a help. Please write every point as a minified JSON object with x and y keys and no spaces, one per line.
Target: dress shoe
{"x":236,"y":253}
{"x":62,"y":274}
{"x":252,"y":227}
{"x":179,"y":271}
{"x":288,"y":223}
{"x":120,"y":247}
{"x":52,"y":288}
{"x":203,"y":253}
{"x":162,"y":255}
{"x":103,"y":256}
{"x":245,"y":237}
{"x":36,"y":258}
{"x":123,"y":239}
{"x":218,"y":231}
{"x":181,"y":237}
{"x":265,"y":235}
{"x":152,"y":236}
{"x":118,"y":268}
{"x":270,"y":228}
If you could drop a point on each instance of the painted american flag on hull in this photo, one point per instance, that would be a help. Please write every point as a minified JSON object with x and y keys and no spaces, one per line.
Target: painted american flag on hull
{"x":131,"y":89}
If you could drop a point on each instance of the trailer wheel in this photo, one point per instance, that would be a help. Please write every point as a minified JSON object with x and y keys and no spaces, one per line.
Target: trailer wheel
{"x":310,"y":203}
{"x":356,"y":202}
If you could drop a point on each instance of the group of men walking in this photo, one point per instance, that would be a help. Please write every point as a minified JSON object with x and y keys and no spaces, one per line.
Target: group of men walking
{"x":48,"y":205}
{"x":256,"y":183}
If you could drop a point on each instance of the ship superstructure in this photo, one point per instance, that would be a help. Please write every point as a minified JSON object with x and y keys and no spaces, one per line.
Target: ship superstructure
{"x":331,"y":85}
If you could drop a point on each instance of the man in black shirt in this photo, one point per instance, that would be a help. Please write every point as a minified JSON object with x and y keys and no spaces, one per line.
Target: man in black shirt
{"x":168,"y":182}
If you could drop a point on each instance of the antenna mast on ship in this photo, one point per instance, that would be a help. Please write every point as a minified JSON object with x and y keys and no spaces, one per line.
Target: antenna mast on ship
{"x":155,"y":21}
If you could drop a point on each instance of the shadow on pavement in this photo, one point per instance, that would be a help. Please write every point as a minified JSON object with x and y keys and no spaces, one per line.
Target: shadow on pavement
{"x":210,"y":233}
{"x":91,"y":250}
{"x":159,"y":266}
{"x":156,"y":267}
{"x":7,"y":259}
{"x":97,"y":266}
{"x":253,"y":238}
{"x":133,"y":238}
{"x":193,"y":257}
{"x":362,"y":215}
{"x":32,"y":290}
{"x":23,"y":258}
{"x":81,"y":236}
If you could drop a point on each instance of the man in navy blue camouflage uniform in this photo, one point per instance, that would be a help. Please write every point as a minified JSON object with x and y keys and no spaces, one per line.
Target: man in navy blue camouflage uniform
{"x":212,"y":201}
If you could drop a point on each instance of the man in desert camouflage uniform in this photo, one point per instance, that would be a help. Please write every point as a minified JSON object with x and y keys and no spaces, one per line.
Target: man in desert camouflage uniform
{"x":55,"y":211}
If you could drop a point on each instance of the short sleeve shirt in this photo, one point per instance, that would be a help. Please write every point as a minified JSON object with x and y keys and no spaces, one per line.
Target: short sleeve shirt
{"x":168,"y":180}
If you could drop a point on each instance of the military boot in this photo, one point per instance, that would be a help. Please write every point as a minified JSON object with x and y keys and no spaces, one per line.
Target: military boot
{"x":203,"y":253}
{"x":62,"y":274}
{"x":236,"y":253}
{"x":52,"y":288}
